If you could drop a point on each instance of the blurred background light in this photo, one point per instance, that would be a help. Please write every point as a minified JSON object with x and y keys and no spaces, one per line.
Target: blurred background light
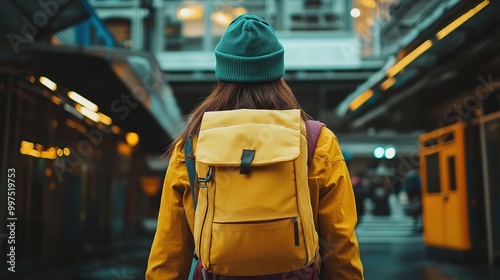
{"x":48,"y":83}
{"x":105,"y":119}
{"x":88,"y":113}
{"x":378,"y":152}
{"x":355,"y":12}
{"x":193,"y":12}
{"x":390,"y":153}
{"x":83,"y":101}
{"x":132,"y":139}
{"x":115,"y":129}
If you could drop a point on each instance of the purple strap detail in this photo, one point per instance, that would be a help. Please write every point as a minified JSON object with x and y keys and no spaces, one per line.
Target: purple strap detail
{"x":308,"y":273}
{"x":313,"y":129}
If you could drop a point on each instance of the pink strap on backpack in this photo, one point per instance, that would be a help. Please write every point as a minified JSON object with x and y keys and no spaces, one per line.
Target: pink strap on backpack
{"x":313,"y":129}
{"x":306,"y":273}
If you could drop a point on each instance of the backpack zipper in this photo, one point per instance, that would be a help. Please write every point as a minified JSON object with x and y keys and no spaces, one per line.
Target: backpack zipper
{"x":203,"y":225}
{"x":296,"y":230}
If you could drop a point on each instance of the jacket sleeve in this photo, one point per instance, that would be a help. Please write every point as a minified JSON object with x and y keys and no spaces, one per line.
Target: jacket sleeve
{"x":336,"y":212}
{"x":173,"y":246}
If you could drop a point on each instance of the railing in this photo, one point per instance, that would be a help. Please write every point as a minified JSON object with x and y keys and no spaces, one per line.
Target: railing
{"x":89,"y":32}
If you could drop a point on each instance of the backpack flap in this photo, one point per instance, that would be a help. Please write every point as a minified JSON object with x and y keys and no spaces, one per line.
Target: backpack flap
{"x":262,"y":137}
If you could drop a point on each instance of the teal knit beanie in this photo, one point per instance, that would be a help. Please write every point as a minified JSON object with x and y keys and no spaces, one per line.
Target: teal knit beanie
{"x":249,"y":51}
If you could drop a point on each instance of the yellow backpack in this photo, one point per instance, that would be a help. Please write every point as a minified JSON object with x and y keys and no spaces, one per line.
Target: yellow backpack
{"x":253,"y":214}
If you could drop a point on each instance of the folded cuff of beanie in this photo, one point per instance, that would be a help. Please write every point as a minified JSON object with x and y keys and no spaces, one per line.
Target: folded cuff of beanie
{"x":231,"y":68}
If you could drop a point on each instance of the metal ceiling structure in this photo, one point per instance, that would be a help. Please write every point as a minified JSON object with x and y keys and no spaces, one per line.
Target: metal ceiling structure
{"x":454,"y":50}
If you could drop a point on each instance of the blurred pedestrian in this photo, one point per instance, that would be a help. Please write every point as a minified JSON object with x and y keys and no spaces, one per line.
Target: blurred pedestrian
{"x":361,"y":187}
{"x":380,"y":193}
{"x":412,"y":187}
{"x":250,"y":69}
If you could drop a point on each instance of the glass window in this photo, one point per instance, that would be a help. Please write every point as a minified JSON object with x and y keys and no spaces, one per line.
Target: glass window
{"x":121,"y":29}
{"x":432,"y":168}
{"x":185,"y":21}
{"x":452,"y":174}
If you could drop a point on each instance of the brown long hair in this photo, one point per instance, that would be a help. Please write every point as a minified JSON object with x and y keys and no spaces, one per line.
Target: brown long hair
{"x":274,"y":95}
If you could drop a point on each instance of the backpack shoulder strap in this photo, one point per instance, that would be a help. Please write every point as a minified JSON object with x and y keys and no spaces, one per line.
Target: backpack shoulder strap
{"x":313,"y":129}
{"x":191,"y":167}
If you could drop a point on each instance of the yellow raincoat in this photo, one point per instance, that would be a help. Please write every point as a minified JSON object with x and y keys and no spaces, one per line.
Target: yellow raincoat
{"x":333,"y":207}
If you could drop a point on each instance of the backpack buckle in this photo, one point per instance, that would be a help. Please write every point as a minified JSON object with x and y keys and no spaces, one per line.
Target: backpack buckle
{"x":203,"y":182}
{"x":246,"y":160}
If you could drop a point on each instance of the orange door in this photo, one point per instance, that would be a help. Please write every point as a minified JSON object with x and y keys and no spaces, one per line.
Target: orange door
{"x":444,"y":189}
{"x":432,"y":200}
{"x":454,"y":199}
